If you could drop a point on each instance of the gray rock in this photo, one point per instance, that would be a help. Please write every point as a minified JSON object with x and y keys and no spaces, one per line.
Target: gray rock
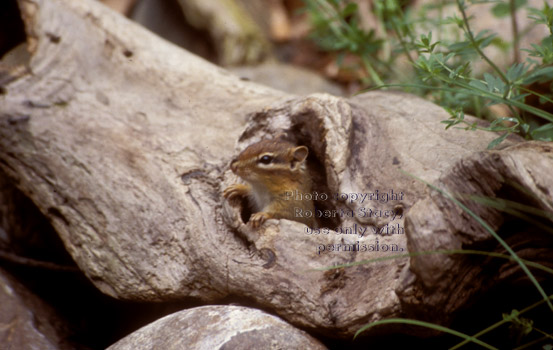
{"x":218,"y":327}
{"x":25,"y":321}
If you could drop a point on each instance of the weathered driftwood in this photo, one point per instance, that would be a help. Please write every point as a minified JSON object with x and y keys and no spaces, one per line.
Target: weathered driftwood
{"x":124,"y":140}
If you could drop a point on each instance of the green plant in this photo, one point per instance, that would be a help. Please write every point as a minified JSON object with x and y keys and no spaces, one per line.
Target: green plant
{"x":334,"y":30}
{"x":442,"y":68}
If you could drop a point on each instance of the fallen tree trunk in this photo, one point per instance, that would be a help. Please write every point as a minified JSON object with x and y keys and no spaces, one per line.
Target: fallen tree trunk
{"x":123,"y":141}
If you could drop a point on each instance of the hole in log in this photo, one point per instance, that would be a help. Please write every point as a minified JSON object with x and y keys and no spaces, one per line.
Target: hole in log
{"x":325,"y":205}
{"x":12,"y":30}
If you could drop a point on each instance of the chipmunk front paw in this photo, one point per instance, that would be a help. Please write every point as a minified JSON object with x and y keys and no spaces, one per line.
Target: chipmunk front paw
{"x":258,"y":219}
{"x":236,"y":192}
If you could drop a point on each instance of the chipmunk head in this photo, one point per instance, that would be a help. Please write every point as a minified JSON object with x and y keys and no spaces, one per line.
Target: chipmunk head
{"x":271,"y":162}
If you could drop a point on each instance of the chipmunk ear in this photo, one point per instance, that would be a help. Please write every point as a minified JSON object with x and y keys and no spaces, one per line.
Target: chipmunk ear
{"x":300,"y":153}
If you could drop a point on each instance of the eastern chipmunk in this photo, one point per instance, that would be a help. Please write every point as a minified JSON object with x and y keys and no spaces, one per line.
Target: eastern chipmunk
{"x":277,"y":179}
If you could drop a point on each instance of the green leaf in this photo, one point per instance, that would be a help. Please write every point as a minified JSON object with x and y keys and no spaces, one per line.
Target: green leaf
{"x":543,"y":133}
{"x":495,"y":84}
{"x":497,"y":141}
{"x":540,"y":74}
{"x":425,"y":43}
{"x":479,"y":84}
{"x":509,"y":317}
{"x":472,"y":126}
{"x":544,"y":16}
{"x":461,"y":47}
{"x":496,"y":124}
{"x":350,"y":9}
{"x":490,"y":80}
{"x":454,"y":20}
{"x":516,"y":71}
{"x":484,"y":39}
{"x":449,"y":123}
{"x":503,"y":9}
{"x":519,"y":97}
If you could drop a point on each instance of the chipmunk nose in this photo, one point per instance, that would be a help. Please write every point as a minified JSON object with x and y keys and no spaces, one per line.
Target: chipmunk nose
{"x":233,"y":165}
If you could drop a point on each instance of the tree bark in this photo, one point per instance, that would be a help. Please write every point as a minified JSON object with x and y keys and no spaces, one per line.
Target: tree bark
{"x":123,"y":141}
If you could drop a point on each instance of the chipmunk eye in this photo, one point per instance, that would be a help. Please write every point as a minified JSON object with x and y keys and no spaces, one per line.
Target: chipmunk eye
{"x":265,"y":159}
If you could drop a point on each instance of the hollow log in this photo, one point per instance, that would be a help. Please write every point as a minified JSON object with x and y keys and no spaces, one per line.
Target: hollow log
{"x":124,"y":141}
